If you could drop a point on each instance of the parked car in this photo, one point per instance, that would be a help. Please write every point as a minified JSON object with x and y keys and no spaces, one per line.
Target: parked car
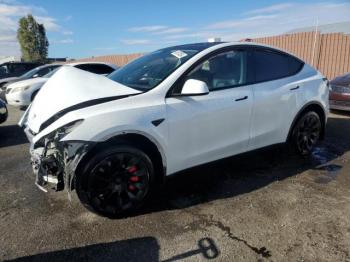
{"x":3,"y":111}
{"x":35,"y":72}
{"x":112,"y":139}
{"x":13,"y":69}
{"x":339,"y":96}
{"x":23,"y":92}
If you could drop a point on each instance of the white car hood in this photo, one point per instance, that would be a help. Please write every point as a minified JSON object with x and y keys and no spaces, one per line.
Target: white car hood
{"x":69,"y":87}
{"x":28,"y":82}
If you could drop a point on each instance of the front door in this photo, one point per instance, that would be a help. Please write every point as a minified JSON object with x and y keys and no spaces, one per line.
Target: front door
{"x":209,"y":127}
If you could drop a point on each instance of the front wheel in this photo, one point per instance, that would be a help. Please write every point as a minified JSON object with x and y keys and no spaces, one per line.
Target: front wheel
{"x":306,"y":133}
{"x":115,"y":181}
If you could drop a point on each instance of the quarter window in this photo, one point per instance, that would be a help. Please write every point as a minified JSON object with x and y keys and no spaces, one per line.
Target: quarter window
{"x":271,"y":65}
{"x":221,"y":71}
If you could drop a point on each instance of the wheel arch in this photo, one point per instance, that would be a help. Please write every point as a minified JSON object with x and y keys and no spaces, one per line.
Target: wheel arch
{"x":311,"y":106}
{"x":138,"y":140}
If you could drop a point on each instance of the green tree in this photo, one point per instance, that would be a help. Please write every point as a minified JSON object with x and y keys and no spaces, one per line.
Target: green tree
{"x":32,"y":39}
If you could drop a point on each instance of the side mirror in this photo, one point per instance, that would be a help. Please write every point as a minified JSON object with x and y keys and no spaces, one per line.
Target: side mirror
{"x":36,"y":75}
{"x":195,"y":88}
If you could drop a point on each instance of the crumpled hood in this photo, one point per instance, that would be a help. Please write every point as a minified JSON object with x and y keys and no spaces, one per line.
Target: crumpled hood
{"x":28,"y":82}
{"x":69,"y":87}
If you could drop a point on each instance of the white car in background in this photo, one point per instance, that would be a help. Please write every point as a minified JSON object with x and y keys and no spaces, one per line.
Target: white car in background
{"x":22,"y":93}
{"x":112,"y":139}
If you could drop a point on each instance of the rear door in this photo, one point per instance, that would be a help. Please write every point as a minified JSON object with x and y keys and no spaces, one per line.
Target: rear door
{"x":209,"y":127}
{"x":275,"y":96}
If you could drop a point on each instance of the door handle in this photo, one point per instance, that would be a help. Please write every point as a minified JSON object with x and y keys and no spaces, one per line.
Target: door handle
{"x":295,"y":88}
{"x":242,"y":98}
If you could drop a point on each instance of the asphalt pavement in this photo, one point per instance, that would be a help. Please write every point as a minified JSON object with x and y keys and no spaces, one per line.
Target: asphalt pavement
{"x":268,"y":205}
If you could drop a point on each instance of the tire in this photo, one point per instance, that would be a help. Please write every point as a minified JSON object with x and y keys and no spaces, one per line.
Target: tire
{"x":115,"y":181}
{"x":306,"y":133}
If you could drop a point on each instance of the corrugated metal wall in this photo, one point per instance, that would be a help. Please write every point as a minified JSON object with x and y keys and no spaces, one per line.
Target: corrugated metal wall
{"x":329,"y":53}
{"x":118,"y":60}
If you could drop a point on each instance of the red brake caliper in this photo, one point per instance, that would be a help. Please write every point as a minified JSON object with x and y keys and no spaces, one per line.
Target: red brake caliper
{"x":132,"y":179}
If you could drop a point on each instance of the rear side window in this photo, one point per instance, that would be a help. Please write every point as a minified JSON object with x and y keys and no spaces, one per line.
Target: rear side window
{"x":96,"y":68}
{"x":270,"y":65}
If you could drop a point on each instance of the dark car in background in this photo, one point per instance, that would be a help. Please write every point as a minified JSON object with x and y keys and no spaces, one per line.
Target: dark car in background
{"x":339,"y":95}
{"x":3,"y":111}
{"x":11,"y":69}
{"x":36,"y":72}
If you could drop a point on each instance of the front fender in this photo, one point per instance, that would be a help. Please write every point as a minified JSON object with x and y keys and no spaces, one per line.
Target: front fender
{"x":156,"y":137}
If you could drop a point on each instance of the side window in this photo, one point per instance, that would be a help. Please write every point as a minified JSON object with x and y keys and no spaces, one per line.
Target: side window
{"x":3,"y":70}
{"x":96,"y":68}
{"x":27,"y":67}
{"x":103,"y":69}
{"x":271,"y":65}
{"x":85,"y":67}
{"x":221,"y":71}
{"x":18,"y":68}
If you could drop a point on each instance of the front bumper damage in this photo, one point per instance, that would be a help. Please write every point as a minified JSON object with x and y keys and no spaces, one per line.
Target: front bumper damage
{"x":55,"y":162}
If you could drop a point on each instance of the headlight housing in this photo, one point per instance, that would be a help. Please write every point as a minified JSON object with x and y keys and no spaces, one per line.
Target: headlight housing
{"x":59,"y":133}
{"x":19,"y":89}
{"x":66,"y":129}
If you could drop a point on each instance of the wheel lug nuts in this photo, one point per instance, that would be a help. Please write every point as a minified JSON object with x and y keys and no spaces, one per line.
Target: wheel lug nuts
{"x":132,"y":169}
{"x":134,"y":179}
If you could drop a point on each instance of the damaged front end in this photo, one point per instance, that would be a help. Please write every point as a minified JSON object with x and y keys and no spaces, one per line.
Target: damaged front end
{"x":55,"y":161}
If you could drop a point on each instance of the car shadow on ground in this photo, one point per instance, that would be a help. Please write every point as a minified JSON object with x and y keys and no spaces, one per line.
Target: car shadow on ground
{"x":11,"y":135}
{"x":248,"y":172}
{"x":137,"y":249}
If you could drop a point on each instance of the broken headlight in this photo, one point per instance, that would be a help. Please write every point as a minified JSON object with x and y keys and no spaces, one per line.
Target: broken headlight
{"x":59,"y":133}
{"x":66,"y":129}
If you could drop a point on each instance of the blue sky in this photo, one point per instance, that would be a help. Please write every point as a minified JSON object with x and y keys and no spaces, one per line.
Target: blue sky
{"x":90,"y":28}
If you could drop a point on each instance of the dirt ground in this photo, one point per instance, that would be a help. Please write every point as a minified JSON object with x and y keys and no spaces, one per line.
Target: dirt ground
{"x":265,"y":206}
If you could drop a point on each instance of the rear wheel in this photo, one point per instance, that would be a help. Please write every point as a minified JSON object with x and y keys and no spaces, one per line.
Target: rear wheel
{"x":306,"y":132}
{"x":116,"y":181}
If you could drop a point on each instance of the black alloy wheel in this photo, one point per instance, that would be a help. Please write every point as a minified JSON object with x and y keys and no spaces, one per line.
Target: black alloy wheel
{"x":116,"y":181}
{"x":307,"y":132}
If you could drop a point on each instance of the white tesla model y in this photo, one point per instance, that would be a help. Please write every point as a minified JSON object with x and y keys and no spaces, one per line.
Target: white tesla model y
{"x":112,"y":139}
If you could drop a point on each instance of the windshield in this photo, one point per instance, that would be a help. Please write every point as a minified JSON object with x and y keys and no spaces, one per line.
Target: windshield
{"x":148,"y":71}
{"x":48,"y":75}
{"x":30,"y":73}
